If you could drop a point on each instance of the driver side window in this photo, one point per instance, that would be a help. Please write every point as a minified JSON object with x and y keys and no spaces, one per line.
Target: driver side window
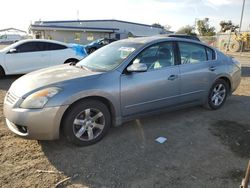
{"x":30,"y":47}
{"x":157,"y":56}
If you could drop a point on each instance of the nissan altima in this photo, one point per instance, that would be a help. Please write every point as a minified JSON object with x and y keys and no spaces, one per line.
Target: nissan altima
{"x":119,"y":82}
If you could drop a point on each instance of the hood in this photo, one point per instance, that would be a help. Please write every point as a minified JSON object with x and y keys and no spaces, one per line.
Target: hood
{"x":49,"y":76}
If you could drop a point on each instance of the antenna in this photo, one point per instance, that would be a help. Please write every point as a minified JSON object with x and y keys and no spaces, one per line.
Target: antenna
{"x":77,"y":14}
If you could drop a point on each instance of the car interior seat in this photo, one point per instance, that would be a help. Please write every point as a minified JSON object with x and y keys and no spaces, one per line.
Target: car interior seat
{"x":164,"y":58}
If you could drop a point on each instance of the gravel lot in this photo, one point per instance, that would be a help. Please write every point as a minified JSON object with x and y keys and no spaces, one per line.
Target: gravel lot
{"x":204,"y":149}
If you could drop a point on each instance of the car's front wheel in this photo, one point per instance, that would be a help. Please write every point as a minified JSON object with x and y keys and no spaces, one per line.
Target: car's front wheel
{"x":86,"y":122}
{"x":217,"y":94}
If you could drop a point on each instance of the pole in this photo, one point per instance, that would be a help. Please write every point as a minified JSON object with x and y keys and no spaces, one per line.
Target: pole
{"x":241,"y":17}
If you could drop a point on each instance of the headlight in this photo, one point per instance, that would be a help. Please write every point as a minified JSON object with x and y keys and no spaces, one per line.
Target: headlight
{"x":39,"y":98}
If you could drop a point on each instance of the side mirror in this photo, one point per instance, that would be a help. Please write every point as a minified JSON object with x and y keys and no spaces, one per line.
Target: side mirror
{"x":12,"y":51}
{"x":137,"y":67}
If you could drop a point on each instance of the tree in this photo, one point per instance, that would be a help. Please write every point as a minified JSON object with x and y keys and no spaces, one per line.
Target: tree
{"x":167,"y":27}
{"x":157,"y":25}
{"x":204,"y":29}
{"x":188,"y":30}
{"x":227,"y":25}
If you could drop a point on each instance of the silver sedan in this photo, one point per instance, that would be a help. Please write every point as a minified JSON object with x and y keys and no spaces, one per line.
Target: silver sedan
{"x":119,"y":82}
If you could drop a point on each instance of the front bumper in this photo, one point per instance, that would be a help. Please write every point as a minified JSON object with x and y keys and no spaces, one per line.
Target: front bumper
{"x":39,"y":124}
{"x":236,"y":80}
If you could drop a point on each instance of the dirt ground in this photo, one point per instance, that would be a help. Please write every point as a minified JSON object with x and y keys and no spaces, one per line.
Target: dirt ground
{"x":203,"y":149}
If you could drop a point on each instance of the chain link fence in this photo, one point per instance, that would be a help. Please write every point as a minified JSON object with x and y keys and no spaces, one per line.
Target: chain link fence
{"x":229,"y":42}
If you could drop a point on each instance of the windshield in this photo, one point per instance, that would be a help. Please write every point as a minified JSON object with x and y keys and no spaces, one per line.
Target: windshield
{"x":109,"y":57}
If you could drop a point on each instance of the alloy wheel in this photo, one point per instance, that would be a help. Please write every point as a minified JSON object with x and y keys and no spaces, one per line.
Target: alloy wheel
{"x":88,"y":124}
{"x":218,"y":94}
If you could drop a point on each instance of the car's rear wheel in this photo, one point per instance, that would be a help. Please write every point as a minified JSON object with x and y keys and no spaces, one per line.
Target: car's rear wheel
{"x":218,"y":94}
{"x":86,"y":122}
{"x":2,"y":72}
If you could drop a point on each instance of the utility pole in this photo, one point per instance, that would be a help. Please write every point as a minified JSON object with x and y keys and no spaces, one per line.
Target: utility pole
{"x":242,"y":12}
{"x":77,"y":15}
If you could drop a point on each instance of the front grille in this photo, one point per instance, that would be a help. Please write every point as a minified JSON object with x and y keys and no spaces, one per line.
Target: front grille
{"x":11,"y":98}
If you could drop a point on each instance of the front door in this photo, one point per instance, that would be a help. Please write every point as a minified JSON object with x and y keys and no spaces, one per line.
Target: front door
{"x":156,"y":88}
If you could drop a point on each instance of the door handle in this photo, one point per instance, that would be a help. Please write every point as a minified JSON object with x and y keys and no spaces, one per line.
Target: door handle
{"x":212,"y":68}
{"x":172,"y":77}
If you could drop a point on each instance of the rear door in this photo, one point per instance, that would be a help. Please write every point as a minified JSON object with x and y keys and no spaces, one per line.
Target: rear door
{"x":28,"y":57}
{"x":196,"y":72}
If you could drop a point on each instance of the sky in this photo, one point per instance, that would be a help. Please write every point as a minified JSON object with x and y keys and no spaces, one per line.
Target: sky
{"x":176,"y":13}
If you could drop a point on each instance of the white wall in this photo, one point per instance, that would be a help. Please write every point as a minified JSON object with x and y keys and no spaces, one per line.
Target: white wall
{"x":70,"y":36}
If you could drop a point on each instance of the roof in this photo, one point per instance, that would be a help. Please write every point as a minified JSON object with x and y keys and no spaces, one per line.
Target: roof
{"x":145,"y":39}
{"x":57,"y":27}
{"x":32,"y":40}
{"x":108,"y":20}
{"x":41,"y":40}
{"x":159,"y":38}
{"x":11,"y":28}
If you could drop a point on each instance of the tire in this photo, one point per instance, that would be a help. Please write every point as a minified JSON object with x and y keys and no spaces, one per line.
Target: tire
{"x":217,"y":94}
{"x":224,"y":47}
{"x":2,"y":73}
{"x":234,"y":46}
{"x":86,"y":122}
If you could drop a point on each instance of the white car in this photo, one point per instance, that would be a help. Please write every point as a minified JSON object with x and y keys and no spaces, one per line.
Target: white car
{"x":32,"y":54}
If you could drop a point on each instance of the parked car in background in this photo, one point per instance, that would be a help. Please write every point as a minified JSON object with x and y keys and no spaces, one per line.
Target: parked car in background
{"x":32,"y":54}
{"x":119,"y":82}
{"x":93,"y":46}
{"x":10,"y":38}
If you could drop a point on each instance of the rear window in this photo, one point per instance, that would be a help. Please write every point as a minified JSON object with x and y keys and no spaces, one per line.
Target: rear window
{"x":53,"y":46}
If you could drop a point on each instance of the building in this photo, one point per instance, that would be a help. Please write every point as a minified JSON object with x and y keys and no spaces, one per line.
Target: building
{"x":11,"y":35}
{"x":85,"y":31}
{"x":12,"y":31}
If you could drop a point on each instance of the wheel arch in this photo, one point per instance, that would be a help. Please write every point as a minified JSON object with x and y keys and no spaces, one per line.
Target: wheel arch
{"x":227,"y":80}
{"x":71,"y":60}
{"x":102,"y":99}
{"x":2,"y":71}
